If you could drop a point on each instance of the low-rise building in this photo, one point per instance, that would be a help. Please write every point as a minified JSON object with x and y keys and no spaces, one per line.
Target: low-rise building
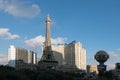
{"x":92,"y":69}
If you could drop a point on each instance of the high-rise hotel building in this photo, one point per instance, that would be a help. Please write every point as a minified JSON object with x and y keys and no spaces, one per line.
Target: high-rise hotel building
{"x":18,"y":56}
{"x":75,"y":55}
{"x":71,"y":55}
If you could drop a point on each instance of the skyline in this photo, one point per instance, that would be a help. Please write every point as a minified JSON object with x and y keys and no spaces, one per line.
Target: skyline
{"x":94,"y":23}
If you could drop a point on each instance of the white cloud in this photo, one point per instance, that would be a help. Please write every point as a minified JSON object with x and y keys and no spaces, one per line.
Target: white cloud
{"x":110,"y":66}
{"x":5,"y":34}
{"x":53,"y":22}
{"x":38,"y":41}
{"x":58,"y":40}
{"x":118,"y":49}
{"x":16,"y":8}
{"x":3,"y":59}
{"x":114,"y":56}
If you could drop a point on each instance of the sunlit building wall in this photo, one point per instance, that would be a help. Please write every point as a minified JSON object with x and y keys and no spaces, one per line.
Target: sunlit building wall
{"x":18,"y":56}
{"x":11,"y":56}
{"x":92,"y":69}
{"x":71,"y":55}
{"x":32,"y":57}
{"x":75,"y":55}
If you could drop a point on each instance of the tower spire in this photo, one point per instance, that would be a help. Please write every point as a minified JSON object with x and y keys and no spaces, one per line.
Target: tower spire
{"x":47,"y":37}
{"x":48,"y":18}
{"x":48,"y":15}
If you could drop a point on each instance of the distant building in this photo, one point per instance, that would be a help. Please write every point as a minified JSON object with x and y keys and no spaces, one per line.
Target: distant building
{"x":71,"y":55}
{"x":18,"y":56}
{"x":117,"y":71}
{"x":92,"y":69}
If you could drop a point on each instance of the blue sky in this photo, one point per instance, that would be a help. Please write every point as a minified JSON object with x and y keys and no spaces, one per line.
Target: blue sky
{"x":95,"y":23}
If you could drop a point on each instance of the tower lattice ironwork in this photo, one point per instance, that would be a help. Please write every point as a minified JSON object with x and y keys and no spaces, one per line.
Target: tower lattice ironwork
{"x":47,"y":59}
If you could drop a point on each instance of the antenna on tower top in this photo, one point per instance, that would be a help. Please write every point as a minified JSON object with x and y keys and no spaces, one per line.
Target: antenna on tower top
{"x":48,"y":18}
{"x":48,"y":15}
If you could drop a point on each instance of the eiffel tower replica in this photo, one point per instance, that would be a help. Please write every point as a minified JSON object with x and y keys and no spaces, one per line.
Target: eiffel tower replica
{"x":47,"y":60}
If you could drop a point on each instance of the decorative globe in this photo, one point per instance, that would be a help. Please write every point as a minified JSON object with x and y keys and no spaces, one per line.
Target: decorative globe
{"x":101,"y":56}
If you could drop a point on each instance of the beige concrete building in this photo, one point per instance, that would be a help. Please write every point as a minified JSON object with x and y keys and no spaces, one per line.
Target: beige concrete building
{"x":92,"y":69}
{"x":18,"y":56}
{"x":71,"y":55}
{"x":58,"y":52}
{"x":75,"y":55}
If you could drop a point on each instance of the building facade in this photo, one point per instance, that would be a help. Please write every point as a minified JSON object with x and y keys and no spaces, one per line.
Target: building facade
{"x":18,"y":56}
{"x":71,"y":55}
{"x":117,"y":71}
{"x":58,"y":52}
{"x":92,"y":69}
{"x":75,"y":55}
